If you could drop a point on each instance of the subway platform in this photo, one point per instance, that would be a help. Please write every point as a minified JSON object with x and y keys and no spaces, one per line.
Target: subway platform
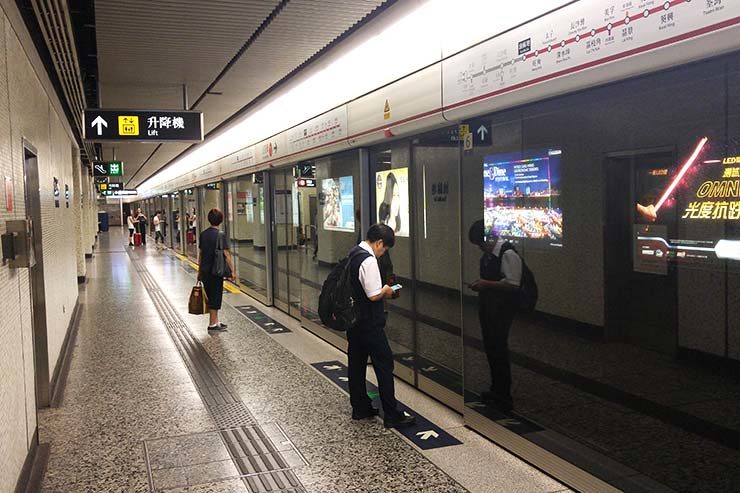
{"x":153,"y":402}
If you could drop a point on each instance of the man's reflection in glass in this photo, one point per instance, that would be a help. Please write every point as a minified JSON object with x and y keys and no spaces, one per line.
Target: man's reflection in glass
{"x":498,"y":302}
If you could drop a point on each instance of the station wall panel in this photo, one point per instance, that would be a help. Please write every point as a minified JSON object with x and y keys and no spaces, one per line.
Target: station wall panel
{"x":28,"y":112}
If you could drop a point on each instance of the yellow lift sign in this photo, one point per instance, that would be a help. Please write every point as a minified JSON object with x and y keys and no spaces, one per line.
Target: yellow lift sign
{"x":128,"y":125}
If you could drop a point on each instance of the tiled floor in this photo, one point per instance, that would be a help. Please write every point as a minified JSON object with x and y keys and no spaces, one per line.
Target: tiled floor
{"x":129,"y":395}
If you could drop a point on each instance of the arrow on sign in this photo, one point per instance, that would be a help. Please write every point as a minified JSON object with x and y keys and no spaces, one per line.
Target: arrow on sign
{"x":509,"y":422}
{"x":332,"y":367}
{"x":270,"y":323}
{"x":344,"y":379}
{"x":425,"y":435}
{"x":482,"y":131}
{"x":429,"y":368}
{"x":100,"y":123}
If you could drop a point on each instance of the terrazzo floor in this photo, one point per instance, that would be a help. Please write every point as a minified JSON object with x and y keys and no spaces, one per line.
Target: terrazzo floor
{"x":128,"y":386}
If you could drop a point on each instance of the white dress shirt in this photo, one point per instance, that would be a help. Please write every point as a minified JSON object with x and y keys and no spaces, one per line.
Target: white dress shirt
{"x":370,"y":273}
{"x":511,"y":264}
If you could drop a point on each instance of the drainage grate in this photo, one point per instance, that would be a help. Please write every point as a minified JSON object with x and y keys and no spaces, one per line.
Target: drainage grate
{"x":262,"y":456}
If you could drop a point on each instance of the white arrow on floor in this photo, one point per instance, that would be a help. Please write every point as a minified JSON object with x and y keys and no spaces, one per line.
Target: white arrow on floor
{"x":332,"y":367}
{"x":430,"y":368}
{"x":509,"y":422}
{"x":270,"y":323}
{"x":277,"y":330}
{"x":344,"y":379}
{"x":425,"y":435}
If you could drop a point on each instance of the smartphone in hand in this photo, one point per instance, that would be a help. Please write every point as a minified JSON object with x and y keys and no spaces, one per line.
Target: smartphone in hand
{"x":396,"y":287}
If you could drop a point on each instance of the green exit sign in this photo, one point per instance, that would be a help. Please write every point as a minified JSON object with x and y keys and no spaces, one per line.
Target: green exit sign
{"x":115,"y":168}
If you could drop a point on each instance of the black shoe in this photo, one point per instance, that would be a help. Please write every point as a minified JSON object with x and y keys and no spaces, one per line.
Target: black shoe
{"x":501,"y":403}
{"x":223,"y":325}
{"x":400,"y":421}
{"x":216,"y":328}
{"x":370,"y":413}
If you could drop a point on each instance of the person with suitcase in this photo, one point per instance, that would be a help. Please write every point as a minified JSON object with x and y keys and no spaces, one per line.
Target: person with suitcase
{"x":142,"y":222}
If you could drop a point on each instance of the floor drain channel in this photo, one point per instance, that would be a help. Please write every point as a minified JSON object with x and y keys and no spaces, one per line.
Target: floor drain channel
{"x":263,"y":456}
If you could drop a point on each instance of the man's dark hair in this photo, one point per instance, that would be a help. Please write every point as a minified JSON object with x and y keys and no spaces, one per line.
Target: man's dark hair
{"x":383,"y":232}
{"x":476,"y":233}
{"x":215,"y":217}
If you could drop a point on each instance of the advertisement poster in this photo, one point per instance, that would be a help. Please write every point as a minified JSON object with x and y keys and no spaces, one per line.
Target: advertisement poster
{"x":702,"y":191}
{"x":250,"y":206}
{"x":262,"y":205}
{"x":521,"y":195}
{"x":339,"y":204}
{"x":392,"y":198}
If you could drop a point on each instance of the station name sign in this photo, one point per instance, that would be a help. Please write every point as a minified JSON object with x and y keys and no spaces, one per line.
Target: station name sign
{"x":143,"y":126}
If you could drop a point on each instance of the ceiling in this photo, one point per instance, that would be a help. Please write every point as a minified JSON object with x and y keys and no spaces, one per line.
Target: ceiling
{"x":226,"y":53}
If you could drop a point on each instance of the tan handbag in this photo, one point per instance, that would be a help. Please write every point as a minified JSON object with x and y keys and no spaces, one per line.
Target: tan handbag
{"x":198,"y":302}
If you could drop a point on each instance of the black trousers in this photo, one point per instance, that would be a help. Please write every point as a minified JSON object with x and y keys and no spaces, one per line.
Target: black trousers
{"x":497,"y":312}
{"x":364,"y":342}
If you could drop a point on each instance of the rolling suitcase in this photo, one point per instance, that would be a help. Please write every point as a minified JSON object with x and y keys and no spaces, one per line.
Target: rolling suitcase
{"x":137,"y":239}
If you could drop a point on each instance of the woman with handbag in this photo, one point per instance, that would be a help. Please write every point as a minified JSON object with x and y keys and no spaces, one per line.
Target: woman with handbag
{"x":215,"y":263}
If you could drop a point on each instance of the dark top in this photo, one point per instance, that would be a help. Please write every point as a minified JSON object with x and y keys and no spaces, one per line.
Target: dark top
{"x":490,"y":270}
{"x":371,"y":314}
{"x":207,"y":243}
{"x":490,"y":267}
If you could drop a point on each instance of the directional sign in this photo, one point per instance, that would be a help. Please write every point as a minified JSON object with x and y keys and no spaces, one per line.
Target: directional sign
{"x":123,"y":193}
{"x":101,"y":179}
{"x":481,"y":132}
{"x":108,"y":168}
{"x":482,"y":135}
{"x":424,"y":434}
{"x":100,"y":169}
{"x":266,"y":323}
{"x":115,"y":186}
{"x":143,"y":125}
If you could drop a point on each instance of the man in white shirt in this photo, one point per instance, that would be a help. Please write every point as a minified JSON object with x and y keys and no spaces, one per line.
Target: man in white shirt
{"x":368,"y":338}
{"x":498,"y":301}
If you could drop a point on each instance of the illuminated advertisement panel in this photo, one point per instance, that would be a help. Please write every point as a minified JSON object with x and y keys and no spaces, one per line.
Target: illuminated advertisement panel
{"x":392,"y":197}
{"x":339,"y":204}
{"x":521,"y":196}
{"x":703,"y":191}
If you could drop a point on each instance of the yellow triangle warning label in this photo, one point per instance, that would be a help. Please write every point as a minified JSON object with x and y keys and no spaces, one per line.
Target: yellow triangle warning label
{"x":387,"y":110}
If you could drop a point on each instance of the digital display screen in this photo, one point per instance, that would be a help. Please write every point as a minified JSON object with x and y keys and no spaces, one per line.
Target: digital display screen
{"x":339,"y":204}
{"x":688,"y":211}
{"x":392,"y":199}
{"x":521,"y":194}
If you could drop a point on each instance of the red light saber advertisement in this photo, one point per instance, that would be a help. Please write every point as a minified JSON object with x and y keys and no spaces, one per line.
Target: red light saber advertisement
{"x":710,"y":189}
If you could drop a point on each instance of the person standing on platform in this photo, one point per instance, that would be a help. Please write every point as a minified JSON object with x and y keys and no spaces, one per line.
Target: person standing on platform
{"x":142,"y":222}
{"x":131,"y":228}
{"x":498,"y":303}
{"x":214,"y":285}
{"x":367,"y":337}
{"x":158,"y":237}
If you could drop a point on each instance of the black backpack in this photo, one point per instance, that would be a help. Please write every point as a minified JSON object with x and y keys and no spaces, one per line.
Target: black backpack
{"x":337,"y":304}
{"x":528,"y":292}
